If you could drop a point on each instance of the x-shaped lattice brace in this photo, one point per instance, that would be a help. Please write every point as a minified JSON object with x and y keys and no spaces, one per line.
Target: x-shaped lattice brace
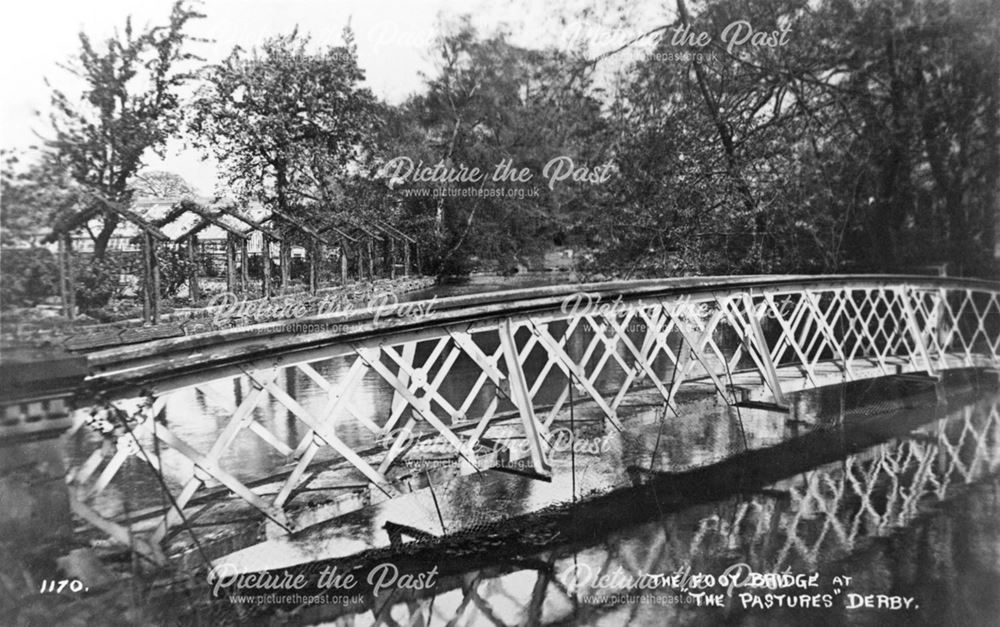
{"x":658,"y":324}
{"x":744,"y":316}
{"x":971,"y":311}
{"x":928,"y":309}
{"x":556,"y":351}
{"x":79,"y":492}
{"x":608,"y":332}
{"x":206,"y":466}
{"x":203,"y":467}
{"x":414,"y":389}
{"x":861,"y":321}
{"x":699,"y":346}
{"x":907,"y":297}
{"x":814,"y":334}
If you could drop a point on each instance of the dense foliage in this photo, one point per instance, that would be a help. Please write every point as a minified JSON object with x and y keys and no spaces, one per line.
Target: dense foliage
{"x":869,"y":141}
{"x":284,"y":122}
{"x":855,"y":135}
{"x":27,"y":276}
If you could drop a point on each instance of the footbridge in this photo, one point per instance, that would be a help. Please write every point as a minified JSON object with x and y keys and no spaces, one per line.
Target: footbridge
{"x":346,"y":401}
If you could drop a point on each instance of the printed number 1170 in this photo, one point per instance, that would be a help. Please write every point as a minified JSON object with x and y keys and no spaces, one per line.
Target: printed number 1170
{"x":57,"y":586}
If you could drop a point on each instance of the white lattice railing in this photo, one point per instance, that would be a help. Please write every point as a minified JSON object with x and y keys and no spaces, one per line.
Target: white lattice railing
{"x":510,"y":361}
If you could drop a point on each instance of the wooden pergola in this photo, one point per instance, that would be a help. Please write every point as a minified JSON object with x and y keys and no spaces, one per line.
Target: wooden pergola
{"x":186,"y":219}
{"x":363,"y":239}
{"x":317,"y":240}
{"x":267,"y":234}
{"x":372,"y":231}
{"x":395,"y":235}
{"x":62,"y":233}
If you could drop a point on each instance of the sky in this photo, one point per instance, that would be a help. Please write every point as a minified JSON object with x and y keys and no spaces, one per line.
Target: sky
{"x":393,"y":38}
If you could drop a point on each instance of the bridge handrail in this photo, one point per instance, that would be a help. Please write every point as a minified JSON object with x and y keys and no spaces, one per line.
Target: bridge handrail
{"x":248,"y":342}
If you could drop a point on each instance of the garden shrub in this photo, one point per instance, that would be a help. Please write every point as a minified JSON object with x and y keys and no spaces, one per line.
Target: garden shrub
{"x":27,"y":276}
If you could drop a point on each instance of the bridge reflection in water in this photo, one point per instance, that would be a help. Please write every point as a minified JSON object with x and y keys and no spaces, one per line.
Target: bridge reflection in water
{"x":917,"y":513}
{"x":357,"y":395}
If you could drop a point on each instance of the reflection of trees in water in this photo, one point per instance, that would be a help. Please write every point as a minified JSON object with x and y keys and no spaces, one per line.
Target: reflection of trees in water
{"x":870,"y":507}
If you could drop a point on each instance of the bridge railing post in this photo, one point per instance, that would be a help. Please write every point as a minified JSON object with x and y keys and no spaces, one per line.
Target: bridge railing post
{"x":917,"y":335}
{"x":521,"y":397}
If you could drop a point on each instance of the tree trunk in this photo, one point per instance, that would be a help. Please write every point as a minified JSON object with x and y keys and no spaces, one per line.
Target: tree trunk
{"x":244,"y":268}
{"x":151,"y":280}
{"x":371,"y":258}
{"x":104,"y":236}
{"x":193,"y":292}
{"x":392,"y":258}
{"x":991,"y":169}
{"x":265,"y":262}
{"x":230,"y":264}
{"x":286,"y":265}
{"x":67,"y":282}
{"x":890,"y":209}
{"x":154,"y":273}
{"x":313,"y":279}
{"x":343,"y":262}
{"x":285,"y":251}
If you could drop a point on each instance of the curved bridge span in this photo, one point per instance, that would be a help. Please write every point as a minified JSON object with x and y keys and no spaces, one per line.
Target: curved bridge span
{"x":465,"y":371}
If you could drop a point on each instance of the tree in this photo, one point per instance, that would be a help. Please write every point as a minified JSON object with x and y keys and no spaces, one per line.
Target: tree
{"x":35,"y":193}
{"x":129,"y":105}
{"x":160,"y":184}
{"x":868,"y":140}
{"x":286,"y":122}
{"x":27,"y":277}
{"x":491,"y":101}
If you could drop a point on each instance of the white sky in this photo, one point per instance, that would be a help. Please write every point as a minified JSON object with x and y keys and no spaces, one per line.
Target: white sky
{"x":393,"y":38}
